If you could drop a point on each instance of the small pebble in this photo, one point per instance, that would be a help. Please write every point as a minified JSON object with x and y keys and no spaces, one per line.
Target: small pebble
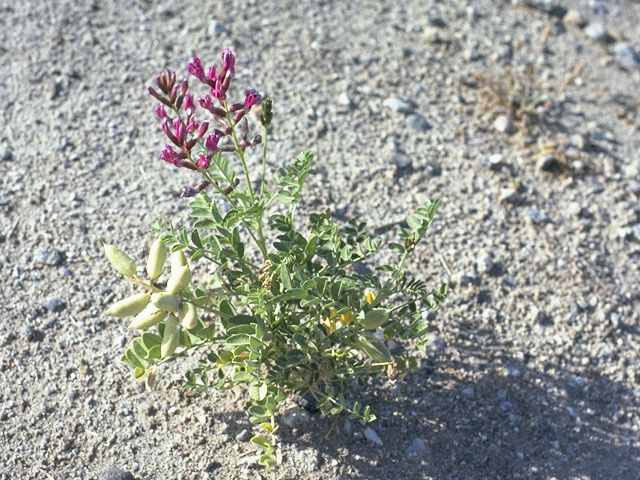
{"x":54,"y":304}
{"x":536,"y":216}
{"x":49,"y":256}
{"x":401,"y":160}
{"x":418,"y":123}
{"x":575,"y":386}
{"x":372,"y":436}
{"x":32,"y":334}
{"x":546,"y":163}
{"x":625,"y":55}
{"x":574,"y":18}
{"x":345,"y":100}
{"x":114,"y":473}
{"x":398,"y":104}
{"x":295,"y":417}
{"x":503,"y":124}
{"x":417,"y":448}
{"x":468,"y":392}
{"x":216,"y":28}
{"x":508,"y":195}
{"x":596,"y":31}
{"x":484,"y":262}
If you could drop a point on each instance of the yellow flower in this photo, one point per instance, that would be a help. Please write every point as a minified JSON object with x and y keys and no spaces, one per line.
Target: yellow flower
{"x":330,"y":321}
{"x":369,"y":296}
{"x":347,"y":318}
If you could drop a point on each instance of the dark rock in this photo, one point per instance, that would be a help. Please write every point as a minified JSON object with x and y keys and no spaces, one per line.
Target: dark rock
{"x":54,"y":304}
{"x":49,"y":256}
{"x":32,"y":334}
{"x":418,"y":123}
{"x":114,"y":473}
{"x":575,"y":386}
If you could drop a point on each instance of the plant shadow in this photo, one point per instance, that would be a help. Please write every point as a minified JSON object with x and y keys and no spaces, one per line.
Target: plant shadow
{"x":483,"y":414}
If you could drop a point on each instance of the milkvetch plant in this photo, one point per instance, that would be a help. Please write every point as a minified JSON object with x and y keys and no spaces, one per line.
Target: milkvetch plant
{"x":285,"y":312}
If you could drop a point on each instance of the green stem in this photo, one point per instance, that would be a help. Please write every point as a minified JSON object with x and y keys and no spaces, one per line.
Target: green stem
{"x":240,"y":152}
{"x":259,"y":243}
{"x":264,"y":162}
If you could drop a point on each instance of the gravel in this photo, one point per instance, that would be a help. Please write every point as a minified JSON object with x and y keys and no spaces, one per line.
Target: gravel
{"x":399,"y":101}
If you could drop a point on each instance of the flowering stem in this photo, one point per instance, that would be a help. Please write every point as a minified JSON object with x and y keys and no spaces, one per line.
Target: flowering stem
{"x":260,"y":240}
{"x":260,"y":245}
{"x":264,"y":162}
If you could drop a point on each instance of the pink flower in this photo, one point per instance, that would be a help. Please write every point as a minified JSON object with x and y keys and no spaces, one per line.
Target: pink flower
{"x":252,"y":97}
{"x":228,"y":62}
{"x":179,"y":129}
{"x":204,"y":161}
{"x":212,"y":141}
{"x":206,"y":103}
{"x":189,"y":106}
{"x":169,"y":155}
{"x":192,"y":125}
{"x":161,"y":112}
{"x":196,"y":69}
{"x":211,"y":74}
{"x":218,"y":93}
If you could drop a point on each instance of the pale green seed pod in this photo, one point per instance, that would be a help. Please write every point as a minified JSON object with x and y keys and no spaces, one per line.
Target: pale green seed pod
{"x":171,"y":337}
{"x":120,"y":260}
{"x":129,"y":306}
{"x":157,"y":259}
{"x":177,"y":259}
{"x":166,"y":301}
{"x":147,"y":318}
{"x":179,"y":278}
{"x":187,"y":315}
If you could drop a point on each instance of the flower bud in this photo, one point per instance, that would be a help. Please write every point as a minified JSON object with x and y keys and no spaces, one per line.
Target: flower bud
{"x":166,"y":302}
{"x":156,"y":260}
{"x":228,"y":61}
{"x":147,"y":318}
{"x":187,"y":315}
{"x":170,"y":338}
{"x":159,"y":97}
{"x":120,"y":260}
{"x":267,"y":112}
{"x":179,"y":278}
{"x":129,"y":306}
{"x":204,"y":126}
{"x":238,"y":116}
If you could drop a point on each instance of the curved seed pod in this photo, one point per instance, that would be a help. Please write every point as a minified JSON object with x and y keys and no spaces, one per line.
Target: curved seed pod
{"x":166,"y":301}
{"x":147,"y":318}
{"x":179,"y":278}
{"x":129,"y":306}
{"x":120,"y":260}
{"x":157,"y":258}
{"x":187,"y":315}
{"x":171,"y":337}
{"x":177,"y":260}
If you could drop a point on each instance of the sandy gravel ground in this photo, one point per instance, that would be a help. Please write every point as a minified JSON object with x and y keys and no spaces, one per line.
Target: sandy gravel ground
{"x":532,"y":371}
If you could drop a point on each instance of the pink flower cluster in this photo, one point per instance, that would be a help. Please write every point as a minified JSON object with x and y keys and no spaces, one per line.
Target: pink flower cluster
{"x":185,"y":133}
